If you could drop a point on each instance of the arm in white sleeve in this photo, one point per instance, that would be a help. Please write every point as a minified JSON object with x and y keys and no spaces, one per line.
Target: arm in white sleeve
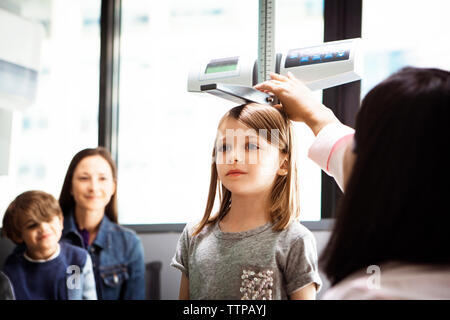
{"x":328,"y":150}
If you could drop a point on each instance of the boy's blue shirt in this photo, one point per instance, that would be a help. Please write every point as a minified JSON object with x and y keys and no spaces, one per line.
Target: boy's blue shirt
{"x":117,"y":256}
{"x":47,"y":280}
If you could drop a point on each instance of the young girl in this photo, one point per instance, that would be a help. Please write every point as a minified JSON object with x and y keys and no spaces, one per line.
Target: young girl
{"x":254,"y":247}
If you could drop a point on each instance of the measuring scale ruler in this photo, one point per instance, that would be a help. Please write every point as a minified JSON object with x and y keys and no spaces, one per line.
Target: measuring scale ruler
{"x":266,"y":43}
{"x":318,"y":67}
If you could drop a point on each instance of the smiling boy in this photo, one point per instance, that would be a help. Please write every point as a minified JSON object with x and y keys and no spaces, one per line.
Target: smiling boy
{"x":42,"y":268}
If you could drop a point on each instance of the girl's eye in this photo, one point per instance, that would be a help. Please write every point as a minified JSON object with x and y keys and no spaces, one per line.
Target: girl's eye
{"x":252,"y":146}
{"x":224,"y":148}
{"x":82,"y":178}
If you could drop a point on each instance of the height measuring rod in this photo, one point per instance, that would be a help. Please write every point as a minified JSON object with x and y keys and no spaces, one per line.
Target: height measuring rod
{"x":266,"y":39}
{"x":319,"y":67}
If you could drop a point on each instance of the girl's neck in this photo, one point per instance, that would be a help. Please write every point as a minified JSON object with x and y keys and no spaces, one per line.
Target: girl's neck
{"x":247,"y":212}
{"x":89,"y":220}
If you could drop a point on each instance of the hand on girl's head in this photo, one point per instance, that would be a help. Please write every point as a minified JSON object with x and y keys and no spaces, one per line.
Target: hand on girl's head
{"x":298,"y":101}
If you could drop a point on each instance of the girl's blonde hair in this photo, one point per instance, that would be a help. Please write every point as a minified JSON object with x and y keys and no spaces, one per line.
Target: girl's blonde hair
{"x":284,"y":201}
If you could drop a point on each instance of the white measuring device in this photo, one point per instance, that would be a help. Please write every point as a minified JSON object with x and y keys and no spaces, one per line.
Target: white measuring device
{"x":266,"y":43}
{"x":319,"y":67}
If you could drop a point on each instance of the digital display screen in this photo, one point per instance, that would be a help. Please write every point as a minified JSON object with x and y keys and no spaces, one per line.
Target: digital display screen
{"x":222,"y":65}
{"x":313,"y":55}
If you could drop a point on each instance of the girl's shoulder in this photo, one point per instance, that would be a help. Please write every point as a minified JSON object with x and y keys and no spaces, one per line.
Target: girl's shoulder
{"x":296,"y":231}
{"x":296,"y":237}
{"x":191,"y":227}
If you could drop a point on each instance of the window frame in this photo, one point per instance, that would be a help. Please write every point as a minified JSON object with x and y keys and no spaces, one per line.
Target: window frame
{"x":108,"y":117}
{"x":342,"y":20}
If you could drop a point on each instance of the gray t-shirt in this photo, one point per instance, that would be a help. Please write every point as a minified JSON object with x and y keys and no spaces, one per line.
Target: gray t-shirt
{"x":254,"y":264}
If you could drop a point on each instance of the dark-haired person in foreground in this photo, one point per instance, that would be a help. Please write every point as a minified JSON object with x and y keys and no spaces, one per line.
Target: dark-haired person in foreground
{"x":393,"y":219}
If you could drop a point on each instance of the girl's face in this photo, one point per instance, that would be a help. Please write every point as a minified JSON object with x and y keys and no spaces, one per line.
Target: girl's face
{"x":247,"y":164}
{"x":41,"y":237}
{"x":93,"y":183}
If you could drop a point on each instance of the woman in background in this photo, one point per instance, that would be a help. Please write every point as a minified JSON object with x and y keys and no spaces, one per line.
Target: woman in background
{"x":89,"y":202}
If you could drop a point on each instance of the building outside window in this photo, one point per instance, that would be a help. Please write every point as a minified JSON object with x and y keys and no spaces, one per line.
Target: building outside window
{"x":64,"y":116}
{"x":166,"y":134}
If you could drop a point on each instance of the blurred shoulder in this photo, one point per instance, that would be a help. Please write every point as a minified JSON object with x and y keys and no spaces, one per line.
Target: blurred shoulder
{"x":191,"y":228}
{"x":126,"y":233}
{"x":73,"y":255}
{"x":70,"y":249}
{"x":296,"y":231}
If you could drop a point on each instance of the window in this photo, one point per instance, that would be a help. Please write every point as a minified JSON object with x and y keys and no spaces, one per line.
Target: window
{"x":63,"y":118}
{"x":166,"y":134}
{"x":300,"y":24}
{"x":411,"y":33}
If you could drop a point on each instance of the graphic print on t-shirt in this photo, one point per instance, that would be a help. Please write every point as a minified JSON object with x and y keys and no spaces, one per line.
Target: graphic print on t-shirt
{"x":257,"y":284}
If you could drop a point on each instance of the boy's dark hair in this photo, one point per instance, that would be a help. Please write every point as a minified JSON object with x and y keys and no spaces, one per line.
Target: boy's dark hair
{"x":395,"y":207}
{"x":38,"y":205}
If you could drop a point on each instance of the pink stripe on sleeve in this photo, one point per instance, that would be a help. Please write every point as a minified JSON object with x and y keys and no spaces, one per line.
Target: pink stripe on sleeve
{"x":338,"y":143}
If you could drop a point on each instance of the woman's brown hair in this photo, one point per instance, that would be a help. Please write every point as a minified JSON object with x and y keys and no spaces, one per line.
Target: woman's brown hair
{"x":66,"y":200}
{"x":284,"y":201}
{"x":395,"y":207}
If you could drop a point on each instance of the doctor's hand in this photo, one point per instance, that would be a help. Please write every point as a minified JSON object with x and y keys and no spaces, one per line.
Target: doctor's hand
{"x":298,"y":101}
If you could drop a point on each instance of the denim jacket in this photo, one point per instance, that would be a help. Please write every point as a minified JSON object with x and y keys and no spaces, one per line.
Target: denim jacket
{"x":117,"y":257}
